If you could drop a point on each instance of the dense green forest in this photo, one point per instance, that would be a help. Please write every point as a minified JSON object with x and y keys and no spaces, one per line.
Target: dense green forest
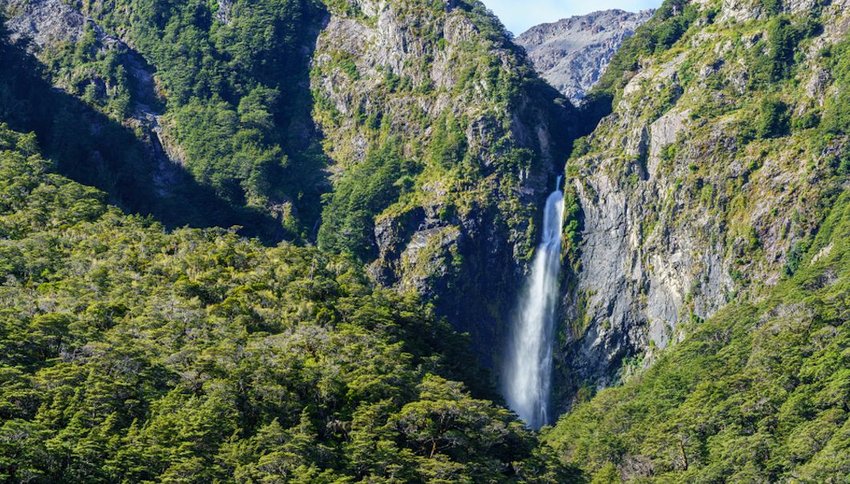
{"x":235,"y":93}
{"x":89,"y":144}
{"x":145,"y":336}
{"x":137,"y":351}
{"x":131,"y":354}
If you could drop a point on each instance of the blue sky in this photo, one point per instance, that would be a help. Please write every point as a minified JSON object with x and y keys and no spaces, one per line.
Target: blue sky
{"x":519,"y":15}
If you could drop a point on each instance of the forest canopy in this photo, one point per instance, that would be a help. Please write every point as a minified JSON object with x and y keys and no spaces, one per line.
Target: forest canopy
{"x":132,"y":354}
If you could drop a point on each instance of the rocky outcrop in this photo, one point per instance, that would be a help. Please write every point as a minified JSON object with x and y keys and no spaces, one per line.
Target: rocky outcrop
{"x":413,"y":71}
{"x":684,"y":205}
{"x":572,"y":54}
{"x":47,"y":23}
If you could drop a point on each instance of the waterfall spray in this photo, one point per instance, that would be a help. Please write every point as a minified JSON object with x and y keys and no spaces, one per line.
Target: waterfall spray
{"x":528,"y":371}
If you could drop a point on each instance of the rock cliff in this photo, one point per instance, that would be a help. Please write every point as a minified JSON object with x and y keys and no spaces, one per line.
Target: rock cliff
{"x":49,"y":25}
{"x":705,"y":183}
{"x":434,"y":140}
{"x":481,"y":138}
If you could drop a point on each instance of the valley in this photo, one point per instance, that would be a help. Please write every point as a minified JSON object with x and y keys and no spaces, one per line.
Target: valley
{"x":317,"y":241}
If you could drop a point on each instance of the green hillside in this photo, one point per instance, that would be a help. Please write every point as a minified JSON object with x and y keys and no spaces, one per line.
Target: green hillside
{"x":754,"y":180}
{"x":758,"y":393}
{"x":283,"y":241}
{"x":130,"y":354}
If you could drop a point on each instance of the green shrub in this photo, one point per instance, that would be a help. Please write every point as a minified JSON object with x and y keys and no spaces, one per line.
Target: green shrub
{"x":809,"y":120}
{"x":781,"y":45}
{"x":836,"y":114}
{"x":573,"y":223}
{"x":361,"y":193}
{"x":773,"y":119}
{"x":448,"y":142}
{"x":772,"y":7}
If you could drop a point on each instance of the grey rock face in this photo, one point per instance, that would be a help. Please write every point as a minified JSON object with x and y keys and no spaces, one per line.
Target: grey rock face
{"x":645,"y":264}
{"x":44,"y":22}
{"x":462,"y":249}
{"x":681,"y":213}
{"x":572,"y":54}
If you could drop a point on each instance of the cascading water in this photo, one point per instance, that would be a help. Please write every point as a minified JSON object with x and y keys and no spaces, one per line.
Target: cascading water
{"x":528,"y":371}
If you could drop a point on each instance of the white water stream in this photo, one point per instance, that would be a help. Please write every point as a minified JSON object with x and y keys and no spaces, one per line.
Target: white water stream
{"x":527,"y":376}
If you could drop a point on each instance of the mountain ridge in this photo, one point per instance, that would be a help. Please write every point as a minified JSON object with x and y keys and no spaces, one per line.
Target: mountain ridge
{"x":706,"y":307}
{"x":572,"y":53}
{"x":467,"y":155}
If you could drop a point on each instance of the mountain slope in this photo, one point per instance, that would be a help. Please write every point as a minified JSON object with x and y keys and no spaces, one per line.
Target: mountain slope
{"x":708,"y":245}
{"x":758,"y":393}
{"x":98,"y":110}
{"x":572,"y":53}
{"x":706,"y":182}
{"x":346,"y":123}
{"x":705,"y":243}
{"x":444,"y":143}
{"x":133,"y":354}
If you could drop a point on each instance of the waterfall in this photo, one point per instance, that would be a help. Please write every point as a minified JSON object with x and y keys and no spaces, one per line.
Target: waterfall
{"x":528,"y":370}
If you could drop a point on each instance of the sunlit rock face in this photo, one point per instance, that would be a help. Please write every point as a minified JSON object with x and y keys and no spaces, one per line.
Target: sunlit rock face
{"x":572,"y":53}
{"x":681,"y":210}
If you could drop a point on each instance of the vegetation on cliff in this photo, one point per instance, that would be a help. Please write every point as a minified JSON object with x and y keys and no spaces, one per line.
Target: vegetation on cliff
{"x":729,"y":141}
{"x":134,"y":352}
{"x":347,"y":124}
{"x":759,"y":392}
{"x":231,"y":79}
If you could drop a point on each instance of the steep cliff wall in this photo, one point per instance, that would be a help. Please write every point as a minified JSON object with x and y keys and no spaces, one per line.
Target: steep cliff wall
{"x":428,"y":132}
{"x":432,"y":105}
{"x":707,"y":180}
